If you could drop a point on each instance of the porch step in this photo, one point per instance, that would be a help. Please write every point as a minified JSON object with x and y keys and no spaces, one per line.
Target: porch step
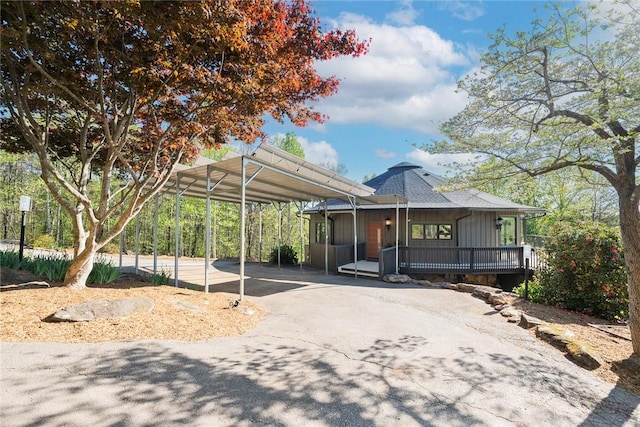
{"x":365,"y":268}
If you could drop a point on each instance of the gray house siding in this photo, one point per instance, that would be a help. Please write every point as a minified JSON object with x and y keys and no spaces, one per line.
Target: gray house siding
{"x":468,"y":216}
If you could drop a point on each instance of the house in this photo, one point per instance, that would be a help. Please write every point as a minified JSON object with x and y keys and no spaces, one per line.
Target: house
{"x":460,"y":232}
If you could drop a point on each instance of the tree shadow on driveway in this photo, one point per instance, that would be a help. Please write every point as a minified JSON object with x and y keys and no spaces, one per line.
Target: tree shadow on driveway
{"x":273,"y":381}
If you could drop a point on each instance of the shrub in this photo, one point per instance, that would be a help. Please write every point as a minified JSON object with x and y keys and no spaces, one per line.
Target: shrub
{"x":287,"y":255}
{"x":45,"y":241}
{"x":110,"y":248}
{"x":585,"y":271}
{"x":536,"y":291}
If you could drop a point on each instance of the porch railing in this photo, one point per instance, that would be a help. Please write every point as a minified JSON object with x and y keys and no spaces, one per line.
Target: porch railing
{"x":387,"y":262}
{"x":344,"y":253}
{"x":459,"y":260}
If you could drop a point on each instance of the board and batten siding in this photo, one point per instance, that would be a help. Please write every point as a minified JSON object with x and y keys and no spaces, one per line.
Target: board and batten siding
{"x":469,"y":228}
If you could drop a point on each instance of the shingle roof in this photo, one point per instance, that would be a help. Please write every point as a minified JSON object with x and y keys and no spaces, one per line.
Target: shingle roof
{"x":417,"y":185}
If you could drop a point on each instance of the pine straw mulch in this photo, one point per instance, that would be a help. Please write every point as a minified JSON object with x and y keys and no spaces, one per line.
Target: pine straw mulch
{"x":24,"y":310}
{"x":614,"y":352}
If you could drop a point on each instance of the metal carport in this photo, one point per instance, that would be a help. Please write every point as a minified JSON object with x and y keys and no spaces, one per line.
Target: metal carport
{"x":267,"y":175}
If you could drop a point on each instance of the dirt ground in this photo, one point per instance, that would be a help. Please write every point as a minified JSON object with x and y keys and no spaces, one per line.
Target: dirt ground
{"x":24,"y":309}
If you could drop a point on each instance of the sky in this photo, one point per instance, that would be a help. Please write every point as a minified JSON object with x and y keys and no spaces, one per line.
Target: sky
{"x":391,"y":100}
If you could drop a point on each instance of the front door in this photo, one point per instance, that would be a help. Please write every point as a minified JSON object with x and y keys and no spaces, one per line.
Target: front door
{"x":374,"y":239}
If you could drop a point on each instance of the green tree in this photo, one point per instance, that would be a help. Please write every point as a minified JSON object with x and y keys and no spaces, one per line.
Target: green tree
{"x":289,"y":143}
{"x":106,"y":90}
{"x":566,"y":94}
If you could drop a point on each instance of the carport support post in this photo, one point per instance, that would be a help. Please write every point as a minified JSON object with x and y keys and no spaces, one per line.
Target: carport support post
{"x":352,"y":200}
{"x":243,"y":207}
{"x":326,"y":240}
{"x":207,"y":226}
{"x":155,"y":234}
{"x":137,"y":242}
{"x":279,"y":207}
{"x":301,"y":236}
{"x":397,"y":230}
{"x":261,"y":209}
{"x":177,"y":233}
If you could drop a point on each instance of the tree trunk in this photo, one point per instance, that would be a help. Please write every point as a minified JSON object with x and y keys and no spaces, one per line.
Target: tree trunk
{"x":629,"y":226}
{"x":80,"y":268}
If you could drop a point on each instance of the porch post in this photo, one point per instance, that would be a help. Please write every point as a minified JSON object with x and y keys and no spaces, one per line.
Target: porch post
{"x":352,"y":199}
{"x":406,"y":228}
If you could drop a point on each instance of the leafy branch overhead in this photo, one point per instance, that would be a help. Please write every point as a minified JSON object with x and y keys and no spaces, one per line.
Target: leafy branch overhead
{"x":566,"y":94}
{"x":557,"y":96}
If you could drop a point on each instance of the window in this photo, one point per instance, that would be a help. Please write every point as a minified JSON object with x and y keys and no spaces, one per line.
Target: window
{"x":320,"y":232}
{"x":431,"y":231}
{"x":508,"y":231}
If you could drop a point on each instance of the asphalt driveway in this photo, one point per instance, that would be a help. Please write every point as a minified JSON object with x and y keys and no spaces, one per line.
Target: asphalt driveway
{"x":334,"y":351}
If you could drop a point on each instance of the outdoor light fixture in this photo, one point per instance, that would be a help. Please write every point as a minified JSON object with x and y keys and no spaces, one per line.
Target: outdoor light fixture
{"x":499,"y":222}
{"x":25,"y":206}
{"x":387,"y":222}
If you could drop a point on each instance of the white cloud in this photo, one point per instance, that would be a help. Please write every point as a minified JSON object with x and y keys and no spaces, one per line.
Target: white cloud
{"x":437,"y":163}
{"x":404,"y":15}
{"x":384,"y":154}
{"x":320,"y":153}
{"x":407,"y":80}
{"x":464,"y":10}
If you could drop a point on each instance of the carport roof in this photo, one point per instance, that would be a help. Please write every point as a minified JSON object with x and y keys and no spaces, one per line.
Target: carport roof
{"x":271,"y":175}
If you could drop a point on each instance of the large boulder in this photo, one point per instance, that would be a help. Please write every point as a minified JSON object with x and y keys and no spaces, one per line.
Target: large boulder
{"x":99,"y":309}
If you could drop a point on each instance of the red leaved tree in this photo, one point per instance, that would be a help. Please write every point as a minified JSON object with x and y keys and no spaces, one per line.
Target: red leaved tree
{"x":130,"y":89}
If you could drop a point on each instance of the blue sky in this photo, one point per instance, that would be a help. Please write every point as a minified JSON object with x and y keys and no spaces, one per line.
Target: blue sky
{"x":394,"y":97}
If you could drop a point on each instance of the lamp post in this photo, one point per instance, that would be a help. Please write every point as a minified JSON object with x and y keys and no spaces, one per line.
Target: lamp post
{"x":25,"y":206}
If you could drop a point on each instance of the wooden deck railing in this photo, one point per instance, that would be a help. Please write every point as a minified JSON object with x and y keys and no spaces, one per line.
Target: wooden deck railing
{"x":458,"y":260}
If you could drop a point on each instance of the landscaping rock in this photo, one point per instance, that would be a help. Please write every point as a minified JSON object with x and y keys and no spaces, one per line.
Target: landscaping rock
{"x":452,"y":286}
{"x":425,"y":283}
{"x":528,"y":322}
{"x":511,"y":312}
{"x":99,"y":309}
{"x":565,"y":340}
{"x":555,"y":335}
{"x":497,"y":299}
{"x":582,"y":355}
{"x":500,"y":307}
{"x":465,"y":287}
{"x":485,"y":292}
{"x":181,"y":305}
{"x":397,"y":278}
